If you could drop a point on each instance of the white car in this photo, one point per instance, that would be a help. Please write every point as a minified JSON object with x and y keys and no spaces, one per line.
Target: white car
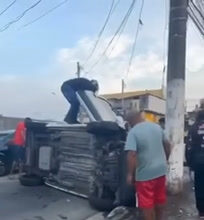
{"x":83,"y":159}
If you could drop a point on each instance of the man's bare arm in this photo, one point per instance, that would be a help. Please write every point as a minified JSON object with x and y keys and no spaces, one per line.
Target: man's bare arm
{"x":131,"y":160}
{"x":167,"y":148}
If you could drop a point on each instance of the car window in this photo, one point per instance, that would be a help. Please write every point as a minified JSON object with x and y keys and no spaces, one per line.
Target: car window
{"x":5,"y":138}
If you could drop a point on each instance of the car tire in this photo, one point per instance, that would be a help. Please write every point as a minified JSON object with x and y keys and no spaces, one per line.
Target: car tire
{"x":4,"y":166}
{"x":101,"y":204}
{"x":97,"y":199}
{"x":31,"y":180}
{"x":103,"y":128}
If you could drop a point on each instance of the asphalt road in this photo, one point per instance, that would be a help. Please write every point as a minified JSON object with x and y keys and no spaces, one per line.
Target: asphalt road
{"x":39,"y":203}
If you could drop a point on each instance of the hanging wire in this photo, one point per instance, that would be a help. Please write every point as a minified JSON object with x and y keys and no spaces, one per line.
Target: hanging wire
{"x":140,"y":23}
{"x":44,"y":14}
{"x":20,"y":16}
{"x":7,"y":8}
{"x":127,"y":15}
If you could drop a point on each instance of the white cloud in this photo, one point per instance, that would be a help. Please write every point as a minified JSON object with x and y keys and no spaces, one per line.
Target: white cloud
{"x":26,"y":96}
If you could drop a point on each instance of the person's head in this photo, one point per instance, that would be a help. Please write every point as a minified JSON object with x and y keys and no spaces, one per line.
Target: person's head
{"x":27,"y":120}
{"x":95,"y":84}
{"x":200,"y":116}
{"x":134,"y":117}
{"x":162,"y":122}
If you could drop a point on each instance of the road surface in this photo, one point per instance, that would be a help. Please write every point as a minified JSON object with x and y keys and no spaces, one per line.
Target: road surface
{"x":39,"y":203}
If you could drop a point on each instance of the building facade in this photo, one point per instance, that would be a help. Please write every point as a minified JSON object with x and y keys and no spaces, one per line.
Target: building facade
{"x":151,"y":102}
{"x":8,"y":123}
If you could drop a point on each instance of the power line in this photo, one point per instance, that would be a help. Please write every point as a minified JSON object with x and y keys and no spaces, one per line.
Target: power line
{"x":196,"y":14}
{"x":196,"y":21}
{"x":7,"y":8}
{"x":196,"y":31}
{"x":44,"y":14}
{"x":118,"y":37}
{"x":101,"y":31}
{"x":197,"y":9}
{"x":136,"y":36}
{"x":20,"y":16}
{"x":126,"y":17}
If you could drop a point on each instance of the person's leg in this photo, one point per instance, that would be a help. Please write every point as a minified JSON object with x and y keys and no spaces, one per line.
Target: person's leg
{"x":71,"y":97}
{"x":145,"y":196}
{"x":160,"y":212}
{"x":21,"y":158}
{"x":15,"y":155}
{"x":149,"y":214}
{"x":199,"y":189}
{"x":160,"y":197}
{"x":71,"y":116}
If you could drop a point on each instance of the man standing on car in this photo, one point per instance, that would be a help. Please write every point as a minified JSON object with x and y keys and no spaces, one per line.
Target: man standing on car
{"x":69,"y":89}
{"x":148,"y":152}
{"x":195,"y":159}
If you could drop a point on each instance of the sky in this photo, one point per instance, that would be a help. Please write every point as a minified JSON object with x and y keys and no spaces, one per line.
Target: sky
{"x":35,"y":60}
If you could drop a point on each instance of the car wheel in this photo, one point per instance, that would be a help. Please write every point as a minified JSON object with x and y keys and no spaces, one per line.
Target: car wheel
{"x":97,"y":199}
{"x":4,"y":168}
{"x":31,"y":180}
{"x":103,"y":128}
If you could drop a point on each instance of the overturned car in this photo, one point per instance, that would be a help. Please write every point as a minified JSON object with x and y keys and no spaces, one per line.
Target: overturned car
{"x":87,"y":160}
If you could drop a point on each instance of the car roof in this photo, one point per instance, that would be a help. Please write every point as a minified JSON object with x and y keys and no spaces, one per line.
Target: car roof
{"x":7,"y":132}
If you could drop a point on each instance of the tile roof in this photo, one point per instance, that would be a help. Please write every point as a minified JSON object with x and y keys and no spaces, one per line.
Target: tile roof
{"x":134,"y":94}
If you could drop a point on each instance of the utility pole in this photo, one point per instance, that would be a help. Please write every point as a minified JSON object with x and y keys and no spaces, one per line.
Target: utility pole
{"x":78,"y":70}
{"x":122,"y":90}
{"x":176,"y":92}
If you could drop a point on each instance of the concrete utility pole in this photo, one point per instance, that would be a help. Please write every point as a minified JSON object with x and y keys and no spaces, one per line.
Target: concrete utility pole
{"x":78,"y":70}
{"x":122,"y":91}
{"x":176,"y":91}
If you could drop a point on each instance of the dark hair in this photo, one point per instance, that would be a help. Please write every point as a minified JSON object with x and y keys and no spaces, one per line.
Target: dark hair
{"x":162,"y":120}
{"x":27,"y":120}
{"x":200,"y":115}
{"x":95,"y":84}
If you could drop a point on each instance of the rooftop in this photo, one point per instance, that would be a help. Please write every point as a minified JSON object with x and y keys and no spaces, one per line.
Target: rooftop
{"x":133,"y":94}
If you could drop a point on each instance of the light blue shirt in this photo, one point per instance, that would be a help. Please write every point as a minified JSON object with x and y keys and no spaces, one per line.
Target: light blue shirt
{"x":146,"y":139}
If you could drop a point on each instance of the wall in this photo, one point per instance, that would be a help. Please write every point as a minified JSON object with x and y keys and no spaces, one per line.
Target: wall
{"x":145,"y":102}
{"x":156,"y":104}
{"x":7,"y":123}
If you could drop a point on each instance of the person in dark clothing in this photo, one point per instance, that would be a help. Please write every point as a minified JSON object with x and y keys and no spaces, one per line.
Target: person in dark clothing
{"x":69,"y":89}
{"x":195,"y":159}
{"x":162,"y":122}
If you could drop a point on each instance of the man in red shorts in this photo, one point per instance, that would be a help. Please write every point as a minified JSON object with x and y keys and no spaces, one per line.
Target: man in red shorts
{"x":148,"y":152}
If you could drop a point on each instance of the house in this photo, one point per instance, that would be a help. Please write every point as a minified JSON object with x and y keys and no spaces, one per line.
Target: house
{"x":151,"y":102}
{"x":8,"y":123}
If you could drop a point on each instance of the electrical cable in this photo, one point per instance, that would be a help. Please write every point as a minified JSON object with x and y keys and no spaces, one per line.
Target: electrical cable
{"x":7,"y":8}
{"x":196,"y":15}
{"x":196,"y":21}
{"x":101,"y":31}
{"x":44,"y":14}
{"x":136,"y":37}
{"x":126,"y":17}
{"x":20,"y":16}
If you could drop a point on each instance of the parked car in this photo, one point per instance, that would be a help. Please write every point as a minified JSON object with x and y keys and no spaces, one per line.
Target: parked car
{"x":87,"y":160}
{"x":5,"y":153}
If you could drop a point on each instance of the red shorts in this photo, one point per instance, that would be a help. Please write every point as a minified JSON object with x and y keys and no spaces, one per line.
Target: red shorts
{"x":151,"y":193}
